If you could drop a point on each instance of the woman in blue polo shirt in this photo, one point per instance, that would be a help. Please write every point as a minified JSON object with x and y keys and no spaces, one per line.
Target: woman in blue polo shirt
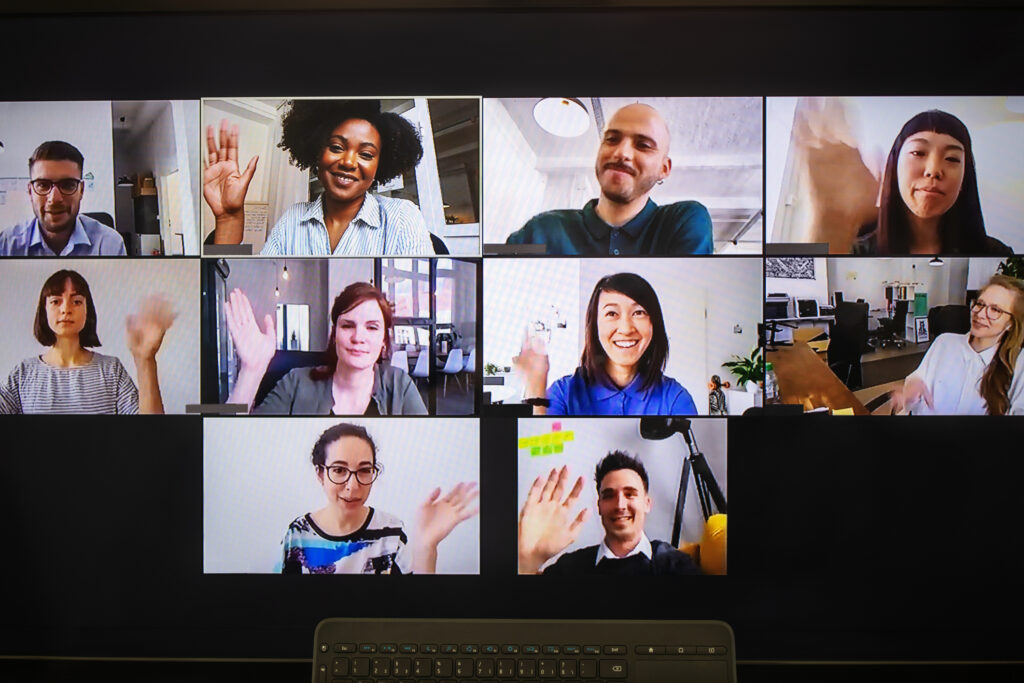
{"x":622,"y":368}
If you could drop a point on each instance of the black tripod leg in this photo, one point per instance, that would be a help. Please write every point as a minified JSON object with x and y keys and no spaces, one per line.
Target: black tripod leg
{"x":677,"y":523}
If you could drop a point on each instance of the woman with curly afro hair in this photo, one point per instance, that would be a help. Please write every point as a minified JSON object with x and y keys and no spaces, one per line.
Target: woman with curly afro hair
{"x":352,"y":147}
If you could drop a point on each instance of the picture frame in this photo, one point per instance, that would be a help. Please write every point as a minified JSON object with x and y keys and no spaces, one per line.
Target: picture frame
{"x":920,"y":329}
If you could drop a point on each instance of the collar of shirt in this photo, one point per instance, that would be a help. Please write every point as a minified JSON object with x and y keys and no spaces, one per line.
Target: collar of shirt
{"x":78,"y":236}
{"x":642,"y":548}
{"x":985,"y":357}
{"x":600,"y":391}
{"x":633,"y":227}
{"x":369,"y":212}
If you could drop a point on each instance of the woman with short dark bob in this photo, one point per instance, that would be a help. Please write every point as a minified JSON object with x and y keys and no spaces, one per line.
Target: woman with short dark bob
{"x":70,"y":378}
{"x":352,"y":147}
{"x":622,"y":367}
{"x":347,"y":535}
{"x":355,"y":379}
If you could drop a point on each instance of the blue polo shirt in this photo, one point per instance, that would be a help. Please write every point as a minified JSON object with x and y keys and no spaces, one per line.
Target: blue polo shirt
{"x":678,"y":229}
{"x":88,"y":238}
{"x":571,"y":395}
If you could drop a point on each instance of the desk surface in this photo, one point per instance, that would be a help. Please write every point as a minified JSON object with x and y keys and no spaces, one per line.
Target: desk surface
{"x":805,"y":379}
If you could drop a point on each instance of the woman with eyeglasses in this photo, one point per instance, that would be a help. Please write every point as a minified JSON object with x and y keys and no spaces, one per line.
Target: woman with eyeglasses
{"x":69,"y":377}
{"x":347,"y":536}
{"x":978,"y":373}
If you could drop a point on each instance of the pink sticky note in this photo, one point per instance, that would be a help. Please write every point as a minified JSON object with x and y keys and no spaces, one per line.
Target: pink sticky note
{"x":556,"y":426}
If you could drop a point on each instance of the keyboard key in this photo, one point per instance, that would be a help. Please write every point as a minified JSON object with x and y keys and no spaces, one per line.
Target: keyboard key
{"x":429,"y":649}
{"x":485,"y":668}
{"x":591,"y":649}
{"x":360,"y":666}
{"x":547,"y":668}
{"x":571,"y":649}
{"x":527,"y":668}
{"x":388,"y":649}
{"x":615,"y":649}
{"x":567,"y":668}
{"x":649,"y":650}
{"x":489,"y":649}
{"x":402,"y":666}
{"x":381,"y":666}
{"x":531,"y":649}
{"x":506,"y":668}
{"x":470,"y":649}
{"x":509,"y":649}
{"x":345,"y":647}
{"x":407,"y":648}
{"x":339,"y":667}
{"x":552,"y":650}
{"x":464,"y":667}
{"x":588,"y":668}
{"x":367,"y":648}
{"x":613,"y":668}
{"x":681,"y":650}
{"x":442,"y":668}
{"x":422,"y":667}
{"x":450,"y":649}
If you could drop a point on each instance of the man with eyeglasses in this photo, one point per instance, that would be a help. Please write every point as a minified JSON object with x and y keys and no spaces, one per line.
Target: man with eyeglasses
{"x":55,"y":187}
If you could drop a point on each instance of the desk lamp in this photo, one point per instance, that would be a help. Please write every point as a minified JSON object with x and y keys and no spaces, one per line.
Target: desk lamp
{"x":658,"y":428}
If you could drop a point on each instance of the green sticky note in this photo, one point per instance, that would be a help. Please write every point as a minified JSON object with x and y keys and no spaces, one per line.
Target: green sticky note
{"x":558,"y":448}
{"x":547,"y":450}
{"x":535,"y":450}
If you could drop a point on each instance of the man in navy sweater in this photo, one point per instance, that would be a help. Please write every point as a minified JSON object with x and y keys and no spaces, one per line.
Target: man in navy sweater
{"x":547,"y":527}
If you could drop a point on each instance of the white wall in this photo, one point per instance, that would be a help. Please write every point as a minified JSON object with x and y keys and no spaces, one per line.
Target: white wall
{"x":702,"y":301}
{"x":24,"y":125}
{"x":863,"y":278}
{"x":258,"y":477}
{"x":980,"y":270}
{"x":306,"y":284}
{"x":997,"y":135}
{"x":593,"y":438}
{"x":118,"y":287}
{"x":513,"y":188}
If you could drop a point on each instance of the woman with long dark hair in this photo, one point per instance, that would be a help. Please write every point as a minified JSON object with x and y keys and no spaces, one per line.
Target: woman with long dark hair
{"x":622,"y":366}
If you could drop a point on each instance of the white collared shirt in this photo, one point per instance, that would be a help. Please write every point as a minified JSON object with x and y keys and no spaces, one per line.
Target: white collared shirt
{"x":383,"y":227}
{"x":642,"y":548}
{"x":952,"y":370}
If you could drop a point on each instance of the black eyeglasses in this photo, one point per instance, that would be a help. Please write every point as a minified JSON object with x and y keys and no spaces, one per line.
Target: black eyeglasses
{"x":67,"y":186}
{"x":991,"y":312}
{"x":340,"y":474}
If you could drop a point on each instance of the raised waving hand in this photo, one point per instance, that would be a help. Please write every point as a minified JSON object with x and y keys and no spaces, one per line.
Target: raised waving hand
{"x":254,"y":346}
{"x":547,"y":524}
{"x":224,"y":186}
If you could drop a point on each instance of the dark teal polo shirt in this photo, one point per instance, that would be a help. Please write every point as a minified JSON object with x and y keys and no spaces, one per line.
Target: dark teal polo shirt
{"x":677,"y":229}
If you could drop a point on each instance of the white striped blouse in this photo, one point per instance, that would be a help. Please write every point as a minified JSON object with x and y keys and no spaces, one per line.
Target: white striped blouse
{"x":383,"y":227}
{"x":102,"y":386}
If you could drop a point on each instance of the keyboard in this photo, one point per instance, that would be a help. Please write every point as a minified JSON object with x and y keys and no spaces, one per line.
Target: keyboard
{"x":523,"y":651}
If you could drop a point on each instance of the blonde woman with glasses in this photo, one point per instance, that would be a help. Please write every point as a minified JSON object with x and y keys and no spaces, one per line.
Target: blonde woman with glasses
{"x":978,"y":373}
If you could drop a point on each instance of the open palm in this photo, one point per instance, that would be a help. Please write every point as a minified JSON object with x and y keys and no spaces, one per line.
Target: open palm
{"x":145,"y":330}
{"x":547,"y":525}
{"x":255,"y":347}
{"x":438,"y":515}
{"x":224,"y":186}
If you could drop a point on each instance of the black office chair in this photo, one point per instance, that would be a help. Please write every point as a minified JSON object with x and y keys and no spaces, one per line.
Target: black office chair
{"x":102,"y":217}
{"x":281,"y":364}
{"x":847,"y":341}
{"x":954,"y":318}
{"x":890,"y":330}
{"x":439,"y":246}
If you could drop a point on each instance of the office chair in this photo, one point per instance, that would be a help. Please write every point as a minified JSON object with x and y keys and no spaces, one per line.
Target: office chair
{"x":954,"y":318}
{"x":283,"y":362}
{"x":453,"y":366}
{"x":400,"y":360}
{"x":439,"y":246}
{"x":890,"y":330}
{"x":101,"y":217}
{"x":848,"y":340}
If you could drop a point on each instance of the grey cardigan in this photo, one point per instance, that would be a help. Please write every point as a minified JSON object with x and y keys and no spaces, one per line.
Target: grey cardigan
{"x":297,"y":393}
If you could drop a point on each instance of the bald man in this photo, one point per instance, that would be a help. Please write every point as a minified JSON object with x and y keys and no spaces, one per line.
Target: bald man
{"x":624,"y":221}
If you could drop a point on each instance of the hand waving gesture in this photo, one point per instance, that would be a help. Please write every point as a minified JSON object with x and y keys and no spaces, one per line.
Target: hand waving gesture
{"x":255,"y":347}
{"x":224,"y":187}
{"x":144,"y":331}
{"x":546,"y":522}
{"x":913,"y":390}
{"x":438,"y":515}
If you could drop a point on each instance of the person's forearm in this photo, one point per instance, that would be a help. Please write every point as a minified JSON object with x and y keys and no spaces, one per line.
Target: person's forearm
{"x":529,"y":564}
{"x":246,"y":386}
{"x":839,"y":230}
{"x":537,"y":389}
{"x":424,"y":559}
{"x":150,"y":402}
{"x":229,"y":228}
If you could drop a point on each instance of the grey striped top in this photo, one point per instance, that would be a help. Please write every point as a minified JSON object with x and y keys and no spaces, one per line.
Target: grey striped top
{"x":383,"y":227}
{"x":102,"y":386}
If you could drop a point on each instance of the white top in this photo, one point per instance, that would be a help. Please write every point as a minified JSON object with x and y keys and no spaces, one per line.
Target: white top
{"x":383,"y":227}
{"x":953,"y":371}
{"x":101,"y":386}
{"x":642,"y":548}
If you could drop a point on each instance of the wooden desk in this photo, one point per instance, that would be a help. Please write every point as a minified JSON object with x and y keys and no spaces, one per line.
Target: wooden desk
{"x":805,"y":379}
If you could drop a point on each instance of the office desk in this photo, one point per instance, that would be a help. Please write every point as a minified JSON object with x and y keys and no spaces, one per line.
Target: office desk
{"x":805,"y":379}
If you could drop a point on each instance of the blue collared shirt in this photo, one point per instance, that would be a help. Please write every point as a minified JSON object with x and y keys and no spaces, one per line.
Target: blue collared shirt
{"x":571,"y":395}
{"x":383,"y":227}
{"x":88,"y":238}
{"x":678,"y":229}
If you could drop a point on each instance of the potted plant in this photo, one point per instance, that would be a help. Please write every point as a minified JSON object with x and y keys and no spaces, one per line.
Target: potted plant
{"x":749,"y":370}
{"x":1012,"y":266}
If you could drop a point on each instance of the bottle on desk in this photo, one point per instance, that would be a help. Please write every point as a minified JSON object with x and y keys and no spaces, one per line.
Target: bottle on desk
{"x":771,"y":385}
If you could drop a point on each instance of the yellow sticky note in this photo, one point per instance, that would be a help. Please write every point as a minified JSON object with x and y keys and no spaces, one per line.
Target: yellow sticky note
{"x":567,"y":436}
{"x":524,"y":442}
{"x":843,"y":411}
